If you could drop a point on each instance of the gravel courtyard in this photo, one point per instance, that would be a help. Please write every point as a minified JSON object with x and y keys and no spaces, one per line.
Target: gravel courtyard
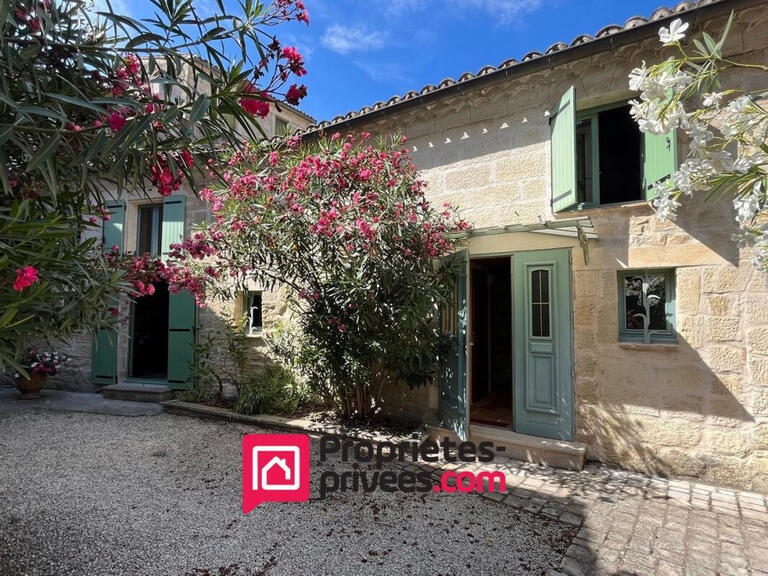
{"x":101,"y":494}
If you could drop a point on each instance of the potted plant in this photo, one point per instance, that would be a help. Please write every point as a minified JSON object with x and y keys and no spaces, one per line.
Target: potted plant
{"x":38,"y":365}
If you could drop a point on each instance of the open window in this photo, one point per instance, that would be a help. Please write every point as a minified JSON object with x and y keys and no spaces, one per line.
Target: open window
{"x":150,"y":226}
{"x":599,"y":156}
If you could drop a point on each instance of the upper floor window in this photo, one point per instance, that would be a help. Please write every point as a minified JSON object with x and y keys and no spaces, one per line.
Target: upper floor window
{"x":281,"y":126}
{"x":150,"y":226}
{"x":647,"y":306}
{"x":599,"y":156}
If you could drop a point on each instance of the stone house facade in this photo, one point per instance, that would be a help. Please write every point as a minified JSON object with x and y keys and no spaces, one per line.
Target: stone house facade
{"x":583,"y":326}
{"x":688,"y":398}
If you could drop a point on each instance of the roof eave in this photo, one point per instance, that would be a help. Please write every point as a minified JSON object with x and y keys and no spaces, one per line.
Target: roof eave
{"x":545,"y":61}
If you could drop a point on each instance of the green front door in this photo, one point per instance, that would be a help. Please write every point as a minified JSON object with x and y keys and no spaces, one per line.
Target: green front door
{"x":452,"y":404}
{"x":543,"y":404}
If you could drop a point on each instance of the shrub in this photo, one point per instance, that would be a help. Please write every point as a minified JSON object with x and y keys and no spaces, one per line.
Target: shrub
{"x":345,"y":225}
{"x":219,"y":361}
{"x":273,"y":391}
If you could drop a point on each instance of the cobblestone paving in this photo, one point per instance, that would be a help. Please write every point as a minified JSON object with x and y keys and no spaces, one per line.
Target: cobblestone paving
{"x":633,"y":525}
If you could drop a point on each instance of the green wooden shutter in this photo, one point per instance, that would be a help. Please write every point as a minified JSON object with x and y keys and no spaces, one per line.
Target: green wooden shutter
{"x":182,"y":318}
{"x":659,"y":159}
{"x":182,"y":311}
{"x":173,"y":223}
{"x":112,"y":234}
{"x":563,"y":125}
{"x":104,"y":346}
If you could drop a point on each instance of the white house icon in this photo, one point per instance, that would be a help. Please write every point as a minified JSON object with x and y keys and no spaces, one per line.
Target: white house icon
{"x":291,"y":473}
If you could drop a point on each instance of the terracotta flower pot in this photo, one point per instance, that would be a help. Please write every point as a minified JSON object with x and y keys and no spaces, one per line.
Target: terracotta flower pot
{"x":30,"y":387}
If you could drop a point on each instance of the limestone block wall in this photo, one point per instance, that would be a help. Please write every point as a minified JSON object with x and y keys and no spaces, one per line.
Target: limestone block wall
{"x":697,"y":408}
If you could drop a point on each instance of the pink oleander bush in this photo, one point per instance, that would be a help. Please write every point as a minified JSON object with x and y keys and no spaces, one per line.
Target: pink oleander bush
{"x":93,"y":104}
{"x":344,"y":224}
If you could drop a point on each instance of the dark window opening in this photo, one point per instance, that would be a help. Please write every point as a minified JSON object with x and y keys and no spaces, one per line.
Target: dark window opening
{"x":609,"y":157}
{"x":253,"y":301}
{"x":150,"y":229}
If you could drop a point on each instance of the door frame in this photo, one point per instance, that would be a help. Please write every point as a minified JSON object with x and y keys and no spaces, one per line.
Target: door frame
{"x":569,"y":344}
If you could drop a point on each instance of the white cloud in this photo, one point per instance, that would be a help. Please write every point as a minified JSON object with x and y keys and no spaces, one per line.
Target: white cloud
{"x":507,"y":10}
{"x":346,"y":39}
{"x":504,"y":10}
{"x":385,"y":72}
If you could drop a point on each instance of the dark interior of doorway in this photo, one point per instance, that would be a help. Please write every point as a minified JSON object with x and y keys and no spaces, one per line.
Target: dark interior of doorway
{"x":491,"y":338}
{"x":149,"y":356}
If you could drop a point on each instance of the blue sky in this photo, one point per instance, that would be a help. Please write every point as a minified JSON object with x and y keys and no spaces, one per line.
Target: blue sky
{"x":358,"y":52}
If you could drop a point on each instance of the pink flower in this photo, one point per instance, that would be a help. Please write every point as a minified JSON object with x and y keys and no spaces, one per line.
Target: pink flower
{"x":25,"y":277}
{"x":254,"y":105}
{"x":295,"y":93}
{"x":295,"y":60}
{"x":116,"y":121}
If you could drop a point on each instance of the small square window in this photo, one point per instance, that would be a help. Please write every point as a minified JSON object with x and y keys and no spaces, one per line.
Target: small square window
{"x":253,"y":312}
{"x":281,"y":126}
{"x":647,"y":306}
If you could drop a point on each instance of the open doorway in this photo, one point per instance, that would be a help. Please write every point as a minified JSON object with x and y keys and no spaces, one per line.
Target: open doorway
{"x":149,"y":335}
{"x":491,"y":342}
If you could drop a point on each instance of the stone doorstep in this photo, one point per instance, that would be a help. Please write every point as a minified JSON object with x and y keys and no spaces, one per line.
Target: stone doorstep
{"x":534,"y":449}
{"x":136,"y":392}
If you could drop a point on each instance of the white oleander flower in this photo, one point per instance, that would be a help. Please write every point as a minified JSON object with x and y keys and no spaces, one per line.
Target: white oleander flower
{"x":746,"y":208}
{"x":666,"y":203}
{"x":674,"y":33}
{"x":638,"y":78}
{"x":713,"y":99}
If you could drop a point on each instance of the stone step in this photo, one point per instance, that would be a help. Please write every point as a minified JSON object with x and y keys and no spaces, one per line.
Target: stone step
{"x":546,"y":451}
{"x":136,"y":392}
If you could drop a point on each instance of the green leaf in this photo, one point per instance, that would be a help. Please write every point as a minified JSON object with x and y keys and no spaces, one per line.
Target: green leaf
{"x":143,"y":38}
{"x":4,"y":172}
{"x":199,"y":108}
{"x":75,"y":101}
{"x":45,"y":151}
{"x":726,"y":31}
{"x":40,"y":111}
{"x":5,"y":133}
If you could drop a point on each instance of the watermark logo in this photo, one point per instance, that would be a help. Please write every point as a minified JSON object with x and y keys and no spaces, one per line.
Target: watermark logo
{"x":275,"y":469}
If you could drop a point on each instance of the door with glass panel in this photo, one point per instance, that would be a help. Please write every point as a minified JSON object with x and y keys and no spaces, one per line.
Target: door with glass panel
{"x":543,"y":404}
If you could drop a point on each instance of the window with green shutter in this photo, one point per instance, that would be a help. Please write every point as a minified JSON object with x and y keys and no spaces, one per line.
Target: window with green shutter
{"x":599,"y":156}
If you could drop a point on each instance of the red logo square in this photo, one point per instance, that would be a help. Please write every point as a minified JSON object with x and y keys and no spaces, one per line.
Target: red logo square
{"x":275,"y":469}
